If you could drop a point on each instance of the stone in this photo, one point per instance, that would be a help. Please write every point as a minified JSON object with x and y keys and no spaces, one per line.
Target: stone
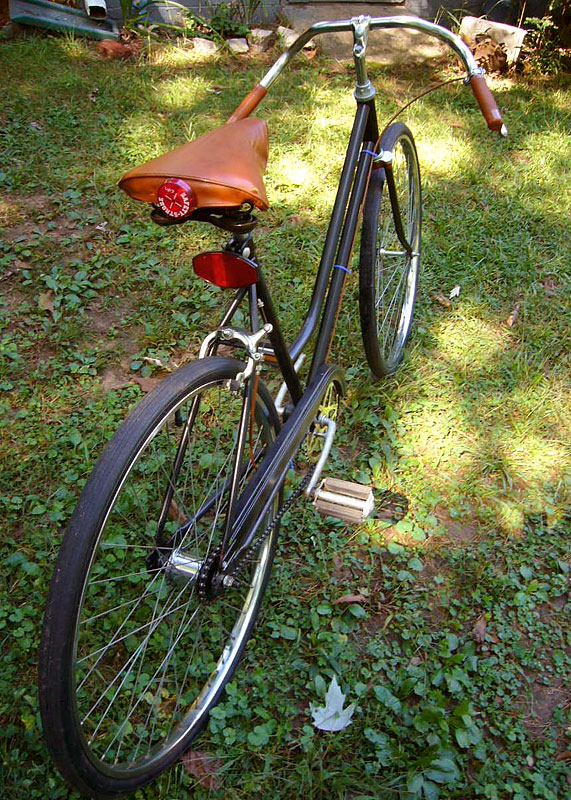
{"x":287,"y":35}
{"x":261,"y":37}
{"x":205,"y":47}
{"x":238,"y":46}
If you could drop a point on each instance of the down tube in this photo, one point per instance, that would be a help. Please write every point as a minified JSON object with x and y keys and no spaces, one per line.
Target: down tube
{"x":341,"y":267}
{"x":359,"y":132}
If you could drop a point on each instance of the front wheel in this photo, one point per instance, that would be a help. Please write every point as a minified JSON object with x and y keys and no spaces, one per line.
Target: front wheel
{"x":139,"y":641}
{"x":388,"y":274}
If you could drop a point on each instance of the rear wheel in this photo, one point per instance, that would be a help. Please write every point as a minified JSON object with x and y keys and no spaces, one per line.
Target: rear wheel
{"x":139,"y":640}
{"x":388,"y":274}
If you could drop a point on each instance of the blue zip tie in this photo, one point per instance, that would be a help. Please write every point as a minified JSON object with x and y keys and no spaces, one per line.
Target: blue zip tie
{"x":339,"y":266}
{"x":370,"y":153}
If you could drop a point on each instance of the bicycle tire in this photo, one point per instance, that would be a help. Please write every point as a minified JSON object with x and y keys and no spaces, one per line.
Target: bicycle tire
{"x":388,"y":276}
{"x":131,"y":662}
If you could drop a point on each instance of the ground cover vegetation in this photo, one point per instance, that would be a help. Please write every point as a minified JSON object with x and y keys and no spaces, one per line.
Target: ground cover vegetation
{"x":455,"y":646}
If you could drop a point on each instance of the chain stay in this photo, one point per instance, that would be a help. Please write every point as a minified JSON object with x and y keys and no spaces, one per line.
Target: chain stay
{"x":257,"y":543}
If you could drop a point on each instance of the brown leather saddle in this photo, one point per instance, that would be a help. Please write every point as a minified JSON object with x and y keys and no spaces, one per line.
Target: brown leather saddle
{"x":225,"y":168}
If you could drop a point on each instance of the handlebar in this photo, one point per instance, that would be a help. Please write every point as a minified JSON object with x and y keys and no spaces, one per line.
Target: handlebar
{"x":360,"y":26}
{"x":487,"y":104}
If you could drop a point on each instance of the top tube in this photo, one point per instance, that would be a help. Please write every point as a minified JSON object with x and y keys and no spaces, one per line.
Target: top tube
{"x":446,"y":36}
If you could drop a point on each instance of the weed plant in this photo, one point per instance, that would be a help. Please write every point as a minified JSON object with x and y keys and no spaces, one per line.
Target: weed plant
{"x":458,"y":652}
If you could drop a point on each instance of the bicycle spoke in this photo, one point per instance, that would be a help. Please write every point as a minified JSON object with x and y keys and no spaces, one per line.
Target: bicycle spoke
{"x":148,"y":647}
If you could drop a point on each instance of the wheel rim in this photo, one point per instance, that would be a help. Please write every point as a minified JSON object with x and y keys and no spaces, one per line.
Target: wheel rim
{"x":150,"y":657}
{"x":395,"y":271}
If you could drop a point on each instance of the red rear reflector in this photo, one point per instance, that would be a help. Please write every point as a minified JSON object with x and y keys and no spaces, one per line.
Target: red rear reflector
{"x":225,"y":269}
{"x":176,"y":198}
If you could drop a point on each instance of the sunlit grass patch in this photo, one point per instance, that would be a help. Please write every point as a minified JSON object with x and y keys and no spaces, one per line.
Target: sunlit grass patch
{"x":473,"y":429}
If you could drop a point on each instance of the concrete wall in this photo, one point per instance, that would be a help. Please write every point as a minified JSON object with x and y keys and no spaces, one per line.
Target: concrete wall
{"x":268,"y":10}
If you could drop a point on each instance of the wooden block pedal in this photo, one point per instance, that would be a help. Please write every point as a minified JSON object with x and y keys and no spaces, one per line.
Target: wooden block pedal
{"x":351,"y":502}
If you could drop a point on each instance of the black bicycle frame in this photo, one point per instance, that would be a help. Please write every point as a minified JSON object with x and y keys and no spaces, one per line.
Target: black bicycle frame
{"x":246,"y":511}
{"x":259,"y":495}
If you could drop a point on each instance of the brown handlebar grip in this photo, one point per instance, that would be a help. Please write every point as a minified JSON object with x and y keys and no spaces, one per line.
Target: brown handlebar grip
{"x":487,"y":103}
{"x":248,"y":104}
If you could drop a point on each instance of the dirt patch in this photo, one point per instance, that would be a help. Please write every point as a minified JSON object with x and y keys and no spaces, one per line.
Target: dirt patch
{"x":13,"y":298}
{"x":115,"y":378}
{"x":23,"y":216}
{"x":17,"y":211}
{"x":104,"y":316}
{"x":341,"y":571}
{"x":538,"y":717}
{"x":460,"y":532}
{"x":378,"y":621}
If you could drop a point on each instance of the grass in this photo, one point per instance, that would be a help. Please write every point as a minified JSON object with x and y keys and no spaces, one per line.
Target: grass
{"x":458,"y":658}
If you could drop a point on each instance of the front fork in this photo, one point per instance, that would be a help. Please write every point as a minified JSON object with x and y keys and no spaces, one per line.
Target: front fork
{"x":365,"y":93}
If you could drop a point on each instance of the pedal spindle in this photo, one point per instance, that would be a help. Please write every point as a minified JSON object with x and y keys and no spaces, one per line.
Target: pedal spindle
{"x":350,"y":502}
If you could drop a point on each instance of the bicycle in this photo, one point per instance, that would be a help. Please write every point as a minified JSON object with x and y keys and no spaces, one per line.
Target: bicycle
{"x":166,"y":558}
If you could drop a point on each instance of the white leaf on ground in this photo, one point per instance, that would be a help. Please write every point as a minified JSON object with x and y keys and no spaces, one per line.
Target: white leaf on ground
{"x":510,"y":321}
{"x":455,"y":292}
{"x":332,"y":716}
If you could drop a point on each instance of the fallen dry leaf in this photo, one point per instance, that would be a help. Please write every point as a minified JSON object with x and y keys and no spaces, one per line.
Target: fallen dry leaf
{"x":551,"y":288}
{"x":114,"y":378}
{"x":348,"y":599}
{"x":46,"y":301}
{"x":146,"y":384}
{"x":564,"y":756}
{"x":443,"y":300}
{"x":335,"y":68}
{"x":204,"y":768}
{"x":510,"y":321}
{"x":176,"y":514}
{"x":310,"y":53}
{"x":112,"y":50}
{"x":479,"y":629}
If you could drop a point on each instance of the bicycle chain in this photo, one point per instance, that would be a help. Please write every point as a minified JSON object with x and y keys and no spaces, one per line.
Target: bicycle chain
{"x":257,"y":543}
